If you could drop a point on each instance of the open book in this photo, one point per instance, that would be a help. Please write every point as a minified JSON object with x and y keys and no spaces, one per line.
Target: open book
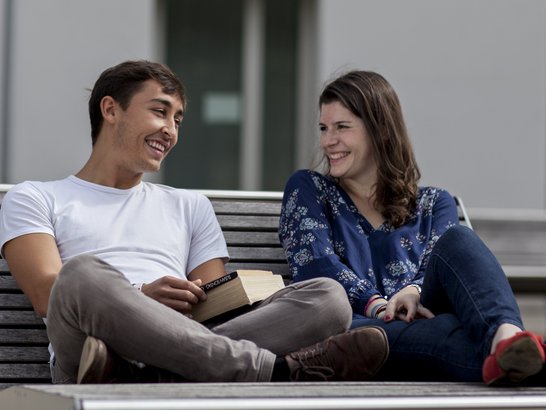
{"x":236,"y":289}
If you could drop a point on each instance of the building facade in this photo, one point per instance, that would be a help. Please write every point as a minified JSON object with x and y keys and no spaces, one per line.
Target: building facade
{"x":471,"y":76}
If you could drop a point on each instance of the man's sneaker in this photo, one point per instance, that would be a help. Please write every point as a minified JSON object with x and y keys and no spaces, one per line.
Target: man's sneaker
{"x":356,"y":355}
{"x":99,"y":365}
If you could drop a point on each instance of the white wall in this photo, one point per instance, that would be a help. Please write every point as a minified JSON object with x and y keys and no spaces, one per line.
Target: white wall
{"x":59,"y":49}
{"x":471,"y":77}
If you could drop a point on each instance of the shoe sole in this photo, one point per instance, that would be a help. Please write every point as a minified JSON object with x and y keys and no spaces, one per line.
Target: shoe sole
{"x":521,"y":360}
{"x":93,"y":361}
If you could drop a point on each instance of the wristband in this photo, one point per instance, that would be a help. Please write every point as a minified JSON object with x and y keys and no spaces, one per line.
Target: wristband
{"x":374,"y":297}
{"x":377,"y":309}
{"x":381,"y":309}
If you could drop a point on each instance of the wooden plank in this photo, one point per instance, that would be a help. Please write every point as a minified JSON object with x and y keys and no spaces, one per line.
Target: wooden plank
{"x":14,"y":300}
{"x":23,"y":336}
{"x":235,"y":207}
{"x":7,"y":282}
{"x":20,"y":317}
{"x":249,"y":222}
{"x":21,"y":354}
{"x":25,"y":371}
{"x":257,"y":254}
{"x":242,"y":238}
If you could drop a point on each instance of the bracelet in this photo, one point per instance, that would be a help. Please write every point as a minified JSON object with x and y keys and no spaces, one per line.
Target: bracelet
{"x":381,"y":309}
{"x":374,"y":297}
{"x":377,"y":309}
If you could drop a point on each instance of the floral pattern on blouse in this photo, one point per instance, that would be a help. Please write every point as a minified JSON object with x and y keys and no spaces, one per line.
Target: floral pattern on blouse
{"x":323,"y":234}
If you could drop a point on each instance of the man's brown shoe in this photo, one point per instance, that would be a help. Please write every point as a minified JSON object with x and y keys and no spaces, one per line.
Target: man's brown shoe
{"x":356,"y":355}
{"x":99,"y":364}
{"x":96,"y":362}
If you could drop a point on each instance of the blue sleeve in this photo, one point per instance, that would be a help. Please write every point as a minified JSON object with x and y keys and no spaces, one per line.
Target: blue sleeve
{"x":444,"y":213}
{"x":305,"y":231}
{"x":444,"y":216}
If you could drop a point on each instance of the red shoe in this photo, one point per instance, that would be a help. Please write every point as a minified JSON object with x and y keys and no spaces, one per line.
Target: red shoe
{"x":515,"y":359}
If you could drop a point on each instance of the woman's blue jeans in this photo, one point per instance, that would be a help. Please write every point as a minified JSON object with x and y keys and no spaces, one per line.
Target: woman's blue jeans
{"x":467,"y":290}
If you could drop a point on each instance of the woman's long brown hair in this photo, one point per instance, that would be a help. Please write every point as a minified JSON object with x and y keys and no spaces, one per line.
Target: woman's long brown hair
{"x":371,"y":98}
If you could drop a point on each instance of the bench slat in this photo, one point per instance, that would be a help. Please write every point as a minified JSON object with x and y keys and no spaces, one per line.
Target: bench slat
{"x":14,"y":300}
{"x":23,"y":336}
{"x":249,"y":222}
{"x":234,"y":207}
{"x":238,"y":238}
{"x":31,"y":354}
{"x":7,"y":282}
{"x":25,"y":371}
{"x":257,"y":254}
{"x":20,"y":317}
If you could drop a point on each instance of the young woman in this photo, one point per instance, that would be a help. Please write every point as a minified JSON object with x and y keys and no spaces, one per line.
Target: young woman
{"x":398,"y":250}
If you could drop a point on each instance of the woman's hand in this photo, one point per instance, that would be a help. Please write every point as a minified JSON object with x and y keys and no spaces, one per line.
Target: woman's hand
{"x":176,"y":293}
{"x":406,"y":305}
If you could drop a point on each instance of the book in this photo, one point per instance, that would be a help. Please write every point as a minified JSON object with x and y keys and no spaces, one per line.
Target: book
{"x":234,"y":290}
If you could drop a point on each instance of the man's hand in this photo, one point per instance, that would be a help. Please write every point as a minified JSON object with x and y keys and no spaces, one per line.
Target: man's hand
{"x":176,"y":293}
{"x":406,"y":305}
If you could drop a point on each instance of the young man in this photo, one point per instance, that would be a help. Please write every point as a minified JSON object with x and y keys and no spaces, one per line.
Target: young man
{"x":116,"y":264}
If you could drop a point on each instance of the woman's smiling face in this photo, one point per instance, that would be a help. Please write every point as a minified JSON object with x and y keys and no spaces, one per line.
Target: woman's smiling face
{"x":345,"y":142}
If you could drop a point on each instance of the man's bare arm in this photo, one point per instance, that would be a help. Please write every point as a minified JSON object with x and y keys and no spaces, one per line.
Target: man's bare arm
{"x":34,"y":262}
{"x":208,"y":271}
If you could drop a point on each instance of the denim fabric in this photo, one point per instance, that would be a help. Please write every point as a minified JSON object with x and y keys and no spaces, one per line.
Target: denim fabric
{"x":467,"y":290}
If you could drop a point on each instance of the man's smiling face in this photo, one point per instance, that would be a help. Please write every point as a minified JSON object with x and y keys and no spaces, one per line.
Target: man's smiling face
{"x":148,"y":129}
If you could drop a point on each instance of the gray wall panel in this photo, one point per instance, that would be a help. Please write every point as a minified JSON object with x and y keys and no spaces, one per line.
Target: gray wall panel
{"x":471,"y":78}
{"x":59,"y":49}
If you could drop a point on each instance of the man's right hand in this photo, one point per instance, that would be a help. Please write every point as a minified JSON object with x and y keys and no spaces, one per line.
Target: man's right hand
{"x":176,"y":293}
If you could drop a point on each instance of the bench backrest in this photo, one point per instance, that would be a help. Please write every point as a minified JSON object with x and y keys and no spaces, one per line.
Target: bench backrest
{"x":249,"y":221}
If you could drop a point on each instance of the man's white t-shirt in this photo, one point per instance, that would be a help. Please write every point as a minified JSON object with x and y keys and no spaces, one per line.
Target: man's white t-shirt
{"x":146,"y":232}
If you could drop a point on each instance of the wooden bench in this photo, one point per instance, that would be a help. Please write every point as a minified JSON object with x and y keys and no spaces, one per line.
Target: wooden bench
{"x":249,"y":221}
{"x":518,"y":240}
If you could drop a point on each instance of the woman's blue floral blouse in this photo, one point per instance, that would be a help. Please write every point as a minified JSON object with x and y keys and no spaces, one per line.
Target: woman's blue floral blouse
{"x":323,"y":234}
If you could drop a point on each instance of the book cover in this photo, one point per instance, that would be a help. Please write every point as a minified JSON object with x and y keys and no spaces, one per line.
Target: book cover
{"x":220,"y":281}
{"x":236,"y":289}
